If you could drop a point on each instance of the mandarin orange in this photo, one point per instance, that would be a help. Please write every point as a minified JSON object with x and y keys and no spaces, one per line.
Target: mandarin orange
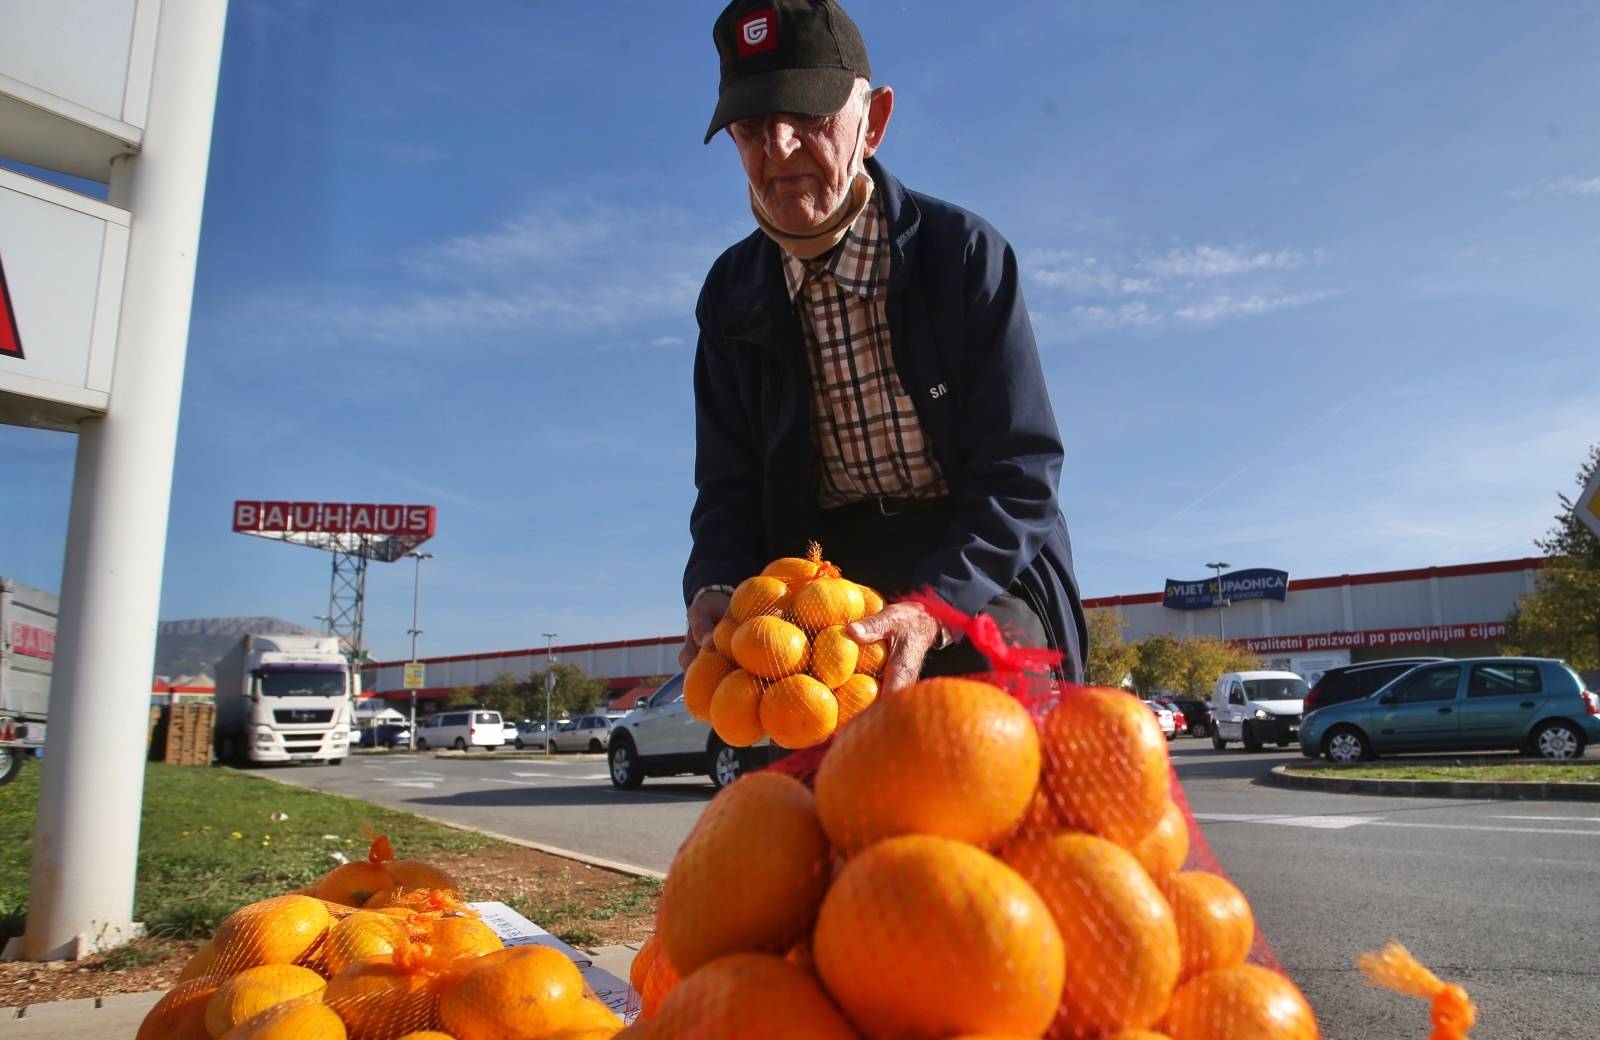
{"x":912,"y":763}
{"x":1117,"y":931}
{"x":928,"y":936}
{"x":1106,"y":766}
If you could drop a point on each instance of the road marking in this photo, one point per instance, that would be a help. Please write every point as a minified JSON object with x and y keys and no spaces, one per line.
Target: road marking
{"x":1324,"y":823}
{"x":1342,"y":822}
{"x":426,"y":785}
{"x":1485,"y":827}
{"x":1548,"y":819}
{"x":568,"y":776}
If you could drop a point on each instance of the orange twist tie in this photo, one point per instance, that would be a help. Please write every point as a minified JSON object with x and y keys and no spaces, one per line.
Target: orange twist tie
{"x":380,"y":851}
{"x":1453,"y":1014}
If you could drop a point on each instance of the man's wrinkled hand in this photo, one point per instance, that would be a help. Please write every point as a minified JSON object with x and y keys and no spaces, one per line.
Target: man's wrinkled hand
{"x":910,"y":632}
{"x":704,"y":613}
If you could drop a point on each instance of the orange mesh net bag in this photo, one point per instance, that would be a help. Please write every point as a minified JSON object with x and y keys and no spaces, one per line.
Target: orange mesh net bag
{"x":389,"y":951}
{"x":998,"y":855}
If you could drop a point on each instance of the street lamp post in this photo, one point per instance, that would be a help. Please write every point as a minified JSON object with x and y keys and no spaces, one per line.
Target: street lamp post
{"x":549,"y":686}
{"x":1222,"y":603}
{"x":414,"y":632}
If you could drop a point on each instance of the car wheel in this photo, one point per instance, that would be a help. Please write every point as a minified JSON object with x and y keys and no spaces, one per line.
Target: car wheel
{"x":1346,"y":745}
{"x":422,"y":745}
{"x":459,"y":745}
{"x":336,"y":761}
{"x":518,"y":744}
{"x":626,"y":772}
{"x":1557,"y":740}
{"x":552,"y":747}
{"x":1197,"y":729}
{"x":594,"y":746}
{"x":726,"y":764}
{"x":1247,"y":737}
{"x":10,"y":765}
{"x":1216,"y":739}
{"x":1172,"y":736}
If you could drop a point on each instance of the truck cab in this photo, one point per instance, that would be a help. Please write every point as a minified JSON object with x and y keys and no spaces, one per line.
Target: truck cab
{"x":1256,"y":708}
{"x":284,"y":698}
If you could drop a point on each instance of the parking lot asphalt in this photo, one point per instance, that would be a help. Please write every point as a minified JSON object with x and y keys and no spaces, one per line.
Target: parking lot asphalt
{"x":1499,"y":896}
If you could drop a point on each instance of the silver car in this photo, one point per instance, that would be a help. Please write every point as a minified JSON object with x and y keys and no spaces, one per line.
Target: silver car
{"x":584,"y":733}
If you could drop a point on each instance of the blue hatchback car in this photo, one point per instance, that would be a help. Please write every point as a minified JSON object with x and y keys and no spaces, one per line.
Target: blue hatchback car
{"x":1533,"y":704}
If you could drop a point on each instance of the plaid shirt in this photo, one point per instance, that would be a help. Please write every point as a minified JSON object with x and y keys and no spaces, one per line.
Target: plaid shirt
{"x":868,"y":439}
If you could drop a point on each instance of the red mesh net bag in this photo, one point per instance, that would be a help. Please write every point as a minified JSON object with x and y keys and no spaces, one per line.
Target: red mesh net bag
{"x":998,"y":855}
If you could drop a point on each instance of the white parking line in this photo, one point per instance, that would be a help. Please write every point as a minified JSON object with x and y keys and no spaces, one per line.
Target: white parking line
{"x":1325,"y":823}
{"x":1549,"y":819}
{"x":1485,"y":827}
{"x":1341,"y":822}
{"x":567,"y":776}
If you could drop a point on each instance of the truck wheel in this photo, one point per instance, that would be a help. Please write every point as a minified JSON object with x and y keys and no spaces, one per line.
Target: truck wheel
{"x":10,"y":765}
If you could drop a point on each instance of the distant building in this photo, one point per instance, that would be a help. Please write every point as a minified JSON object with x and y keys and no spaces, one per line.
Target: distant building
{"x":1456,"y":611}
{"x":1322,"y":623}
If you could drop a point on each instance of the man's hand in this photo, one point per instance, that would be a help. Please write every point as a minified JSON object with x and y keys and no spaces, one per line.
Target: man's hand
{"x":704,"y":613}
{"x":910,"y":631}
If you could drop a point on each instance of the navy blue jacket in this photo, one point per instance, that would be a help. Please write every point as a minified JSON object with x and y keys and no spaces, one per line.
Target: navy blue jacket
{"x":965,"y":353}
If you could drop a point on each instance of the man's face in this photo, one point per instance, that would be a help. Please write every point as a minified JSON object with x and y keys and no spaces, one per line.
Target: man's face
{"x":799,"y":166}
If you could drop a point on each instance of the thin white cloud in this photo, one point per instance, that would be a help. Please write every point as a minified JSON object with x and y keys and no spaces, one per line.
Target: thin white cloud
{"x":668,"y":341}
{"x":1184,"y":286}
{"x":1225,"y":305}
{"x":1559,"y":186}
{"x":1221,"y":261}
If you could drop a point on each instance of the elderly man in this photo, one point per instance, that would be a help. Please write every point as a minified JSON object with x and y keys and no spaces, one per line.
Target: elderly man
{"x":866,"y":373}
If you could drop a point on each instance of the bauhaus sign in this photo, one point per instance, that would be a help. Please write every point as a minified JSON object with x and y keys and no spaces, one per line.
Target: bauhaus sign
{"x":10,"y":338}
{"x":1257,"y":583}
{"x":333,"y":518}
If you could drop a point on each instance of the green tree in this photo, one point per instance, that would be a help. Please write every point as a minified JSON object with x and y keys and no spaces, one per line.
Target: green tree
{"x":463,"y":695}
{"x":1561,"y":616}
{"x":1111,"y":658}
{"x":505,"y":694}
{"x":576,"y":692}
{"x":1159,"y":665}
{"x":1205,"y":660}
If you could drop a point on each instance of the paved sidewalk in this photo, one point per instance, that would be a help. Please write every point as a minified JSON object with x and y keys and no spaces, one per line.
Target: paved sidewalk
{"x":118,"y":1017}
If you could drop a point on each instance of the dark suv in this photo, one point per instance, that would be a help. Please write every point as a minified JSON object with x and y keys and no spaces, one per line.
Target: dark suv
{"x":1354,"y":681}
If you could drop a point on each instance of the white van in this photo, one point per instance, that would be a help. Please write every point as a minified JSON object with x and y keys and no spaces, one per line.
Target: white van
{"x":462,"y":730}
{"x":1257,"y":708}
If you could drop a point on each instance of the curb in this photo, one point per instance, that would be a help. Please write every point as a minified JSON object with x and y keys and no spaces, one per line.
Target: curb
{"x":1508,"y":790}
{"x":615,"y":866}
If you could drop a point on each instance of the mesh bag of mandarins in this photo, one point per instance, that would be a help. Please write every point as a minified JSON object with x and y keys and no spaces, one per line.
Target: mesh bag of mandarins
{"x":378,"y":949}
{"x":992,"y":856}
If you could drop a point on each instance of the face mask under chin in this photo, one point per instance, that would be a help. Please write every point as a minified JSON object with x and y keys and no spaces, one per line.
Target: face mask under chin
{"x":813,"y":244}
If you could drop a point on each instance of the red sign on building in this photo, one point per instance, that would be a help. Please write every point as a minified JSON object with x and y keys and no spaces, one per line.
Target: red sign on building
{"x":10,"y":338}
{"x":33,"y":641}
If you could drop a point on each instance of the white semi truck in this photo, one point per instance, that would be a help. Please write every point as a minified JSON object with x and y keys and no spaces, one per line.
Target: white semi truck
{"x":27,"y":651}
{"x":284,"y":698}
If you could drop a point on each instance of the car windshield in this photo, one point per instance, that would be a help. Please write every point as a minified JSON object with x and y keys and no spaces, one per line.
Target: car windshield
{"x":301,"y":683}
{"x":1276,"y":689}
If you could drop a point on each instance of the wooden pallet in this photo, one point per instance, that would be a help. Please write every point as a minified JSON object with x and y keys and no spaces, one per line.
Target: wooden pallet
{"x":184,"y":734}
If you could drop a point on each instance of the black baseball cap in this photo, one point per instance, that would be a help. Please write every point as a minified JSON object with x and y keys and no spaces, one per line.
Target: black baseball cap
{"x":800,"y":56}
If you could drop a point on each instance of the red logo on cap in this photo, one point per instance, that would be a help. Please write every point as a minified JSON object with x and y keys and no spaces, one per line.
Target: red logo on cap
{"x":757,"y":32}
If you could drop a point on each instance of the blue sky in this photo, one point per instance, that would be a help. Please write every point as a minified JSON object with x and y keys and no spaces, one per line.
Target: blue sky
{"x":1314,"y":288}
